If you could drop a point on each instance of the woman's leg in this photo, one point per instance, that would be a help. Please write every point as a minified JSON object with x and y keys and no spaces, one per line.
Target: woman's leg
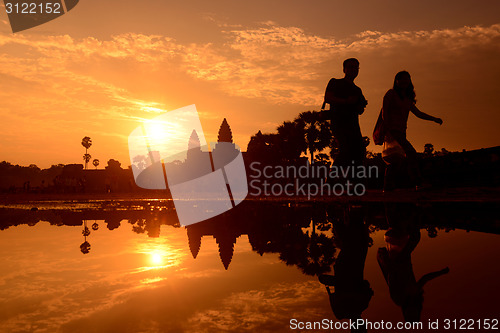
{"x":411,"y":157}
{"x":389,"y":183}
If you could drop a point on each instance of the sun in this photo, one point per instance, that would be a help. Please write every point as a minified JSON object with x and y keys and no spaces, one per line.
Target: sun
{"x":157,"y":132}
{"x":156,"y":259}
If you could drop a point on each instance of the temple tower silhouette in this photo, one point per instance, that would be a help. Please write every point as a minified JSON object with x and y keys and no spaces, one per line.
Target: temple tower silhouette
{"x":226,"y":243}
{"x":194,"y":149}
{"x":194,"y":240}
{"x":224,"y":229}
{"x":225,"y":134}
{"x":224,"y":150}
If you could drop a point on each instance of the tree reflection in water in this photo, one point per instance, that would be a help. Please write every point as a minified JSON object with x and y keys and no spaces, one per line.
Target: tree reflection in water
{"x":85,"y":246}
{"x":329,"y":241}
{"x":273,"y":229}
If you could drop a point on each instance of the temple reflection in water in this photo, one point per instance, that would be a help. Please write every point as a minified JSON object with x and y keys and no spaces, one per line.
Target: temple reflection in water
{"x":362,"y":261}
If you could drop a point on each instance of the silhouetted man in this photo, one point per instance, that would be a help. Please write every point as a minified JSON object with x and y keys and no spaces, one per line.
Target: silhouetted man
{"x":346,"y":104}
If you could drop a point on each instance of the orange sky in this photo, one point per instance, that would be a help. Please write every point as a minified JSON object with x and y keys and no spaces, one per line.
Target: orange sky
{"x":104,"y":66}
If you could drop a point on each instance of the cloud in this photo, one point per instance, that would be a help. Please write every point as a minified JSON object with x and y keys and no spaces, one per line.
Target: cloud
{"x":263,"y":310}
{"x":447,"y":39}
{"x":70,"y":85}
{"x":271,"y":62}
{"x":284,"y":64}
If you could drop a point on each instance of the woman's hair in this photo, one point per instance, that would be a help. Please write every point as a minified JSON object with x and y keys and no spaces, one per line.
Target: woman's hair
{"x":409,"y":91}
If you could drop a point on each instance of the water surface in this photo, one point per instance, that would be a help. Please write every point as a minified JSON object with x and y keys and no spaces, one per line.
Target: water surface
{"x":252,"y":269}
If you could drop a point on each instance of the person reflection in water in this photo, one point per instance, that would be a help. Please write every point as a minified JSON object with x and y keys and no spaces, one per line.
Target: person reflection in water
{"x":394,"y":260}
{"x":352,"y":293}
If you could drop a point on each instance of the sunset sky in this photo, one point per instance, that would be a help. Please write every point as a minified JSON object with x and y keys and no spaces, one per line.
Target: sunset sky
{"x":105,"y":66}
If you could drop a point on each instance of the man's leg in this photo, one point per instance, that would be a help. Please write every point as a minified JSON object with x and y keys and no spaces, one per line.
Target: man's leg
{"x":340,"y":134}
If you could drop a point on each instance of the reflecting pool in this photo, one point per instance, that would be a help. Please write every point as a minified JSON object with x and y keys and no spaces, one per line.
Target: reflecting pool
{"x":267,"y":267}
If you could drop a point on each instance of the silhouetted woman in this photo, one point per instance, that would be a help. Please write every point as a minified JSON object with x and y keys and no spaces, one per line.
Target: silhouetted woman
{"x":398,"y":102}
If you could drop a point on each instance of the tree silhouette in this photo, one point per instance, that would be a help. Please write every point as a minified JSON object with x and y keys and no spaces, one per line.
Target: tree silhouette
{"x":86,"y":142}
{"x":428,"y":149}
{"x":86,"y":231}
{"x":317,"y":133}
{"x":291,"y":140}
{"x":113,"y":165}
{"x":140,"y":162}
{"x":444,"y":151}
{"x":318,"y":256}
{"x":265,"y":148}
{"x":95,"y":162}
{"x":85,"y":247}
{"x":322,"y":159}
{"x":86,"y":158}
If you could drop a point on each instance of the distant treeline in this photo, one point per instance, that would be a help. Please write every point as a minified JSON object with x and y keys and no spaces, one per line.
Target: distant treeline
{"x":69,"y":178}
{"x":445,"y":169}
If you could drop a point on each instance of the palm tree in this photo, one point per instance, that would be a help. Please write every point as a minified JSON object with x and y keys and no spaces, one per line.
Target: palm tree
{"x":95,"y":162}
{"x":317,"y":132}
{"x":291,"y":140}
{"x":86,"y":142}
{"x":85,"y":246}
{"x":86,"y":158}
{"x":428,"y":149}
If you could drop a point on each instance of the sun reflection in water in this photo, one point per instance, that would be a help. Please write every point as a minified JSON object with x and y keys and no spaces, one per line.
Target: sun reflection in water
{"x":156,"y":258}
{"x":158,"y":254}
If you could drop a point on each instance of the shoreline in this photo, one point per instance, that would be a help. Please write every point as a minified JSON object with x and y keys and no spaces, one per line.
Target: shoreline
{"x":465,"y":194}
